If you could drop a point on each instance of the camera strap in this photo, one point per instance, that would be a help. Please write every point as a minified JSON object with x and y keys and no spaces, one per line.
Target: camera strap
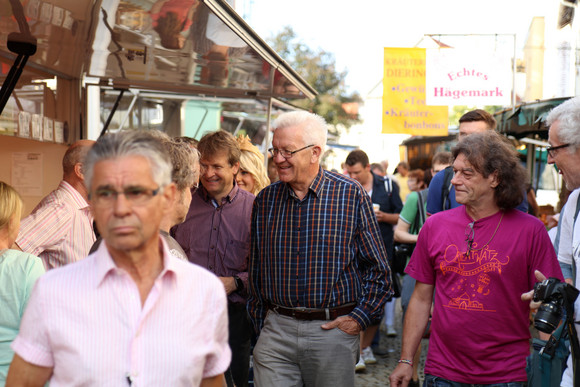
{"x":574,"y":225}
{"x":549,"y":349}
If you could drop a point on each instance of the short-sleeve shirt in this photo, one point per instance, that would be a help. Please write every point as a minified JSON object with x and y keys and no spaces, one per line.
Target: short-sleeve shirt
{"x":86,"y":321}
{"x":568,"y":251}
{"x":18,"y":273}
{"x":480,"y":326}
{"x":60,"y":228}
{"x":410,"y":212}
{"x":386,"y":194}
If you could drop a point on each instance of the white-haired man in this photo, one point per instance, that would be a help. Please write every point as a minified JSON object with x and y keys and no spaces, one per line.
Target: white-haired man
{"x":317,"y":260}
{"x":131,"y":312}
{"x":564,"y":152}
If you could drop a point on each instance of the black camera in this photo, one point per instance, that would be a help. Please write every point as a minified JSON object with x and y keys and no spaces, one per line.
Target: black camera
{"x":404,"y":250}
{"x":555,"y":296}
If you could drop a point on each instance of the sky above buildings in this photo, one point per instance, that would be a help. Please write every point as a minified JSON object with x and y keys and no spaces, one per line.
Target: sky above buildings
{"x":356,"y":31}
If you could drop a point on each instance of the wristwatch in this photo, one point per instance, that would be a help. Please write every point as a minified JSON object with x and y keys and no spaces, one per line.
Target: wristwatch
{"x":239,"y":283}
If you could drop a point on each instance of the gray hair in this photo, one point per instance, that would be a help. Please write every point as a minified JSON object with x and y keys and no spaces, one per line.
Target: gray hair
{"x":183,"y":158}
{"x":130,"y":143}
{"x":568,"y":115}
{"x":315,"y":127}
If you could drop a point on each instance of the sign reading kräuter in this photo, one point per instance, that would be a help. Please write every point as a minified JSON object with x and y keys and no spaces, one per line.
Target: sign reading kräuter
{"x":404,"y":108}
{"x":460,"y":77}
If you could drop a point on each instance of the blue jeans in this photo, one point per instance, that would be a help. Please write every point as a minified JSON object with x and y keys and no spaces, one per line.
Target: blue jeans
{"x":435,"y":381}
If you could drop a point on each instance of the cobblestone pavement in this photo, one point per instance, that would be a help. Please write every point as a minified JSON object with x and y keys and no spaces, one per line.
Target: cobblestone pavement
{"x":378,"y":374}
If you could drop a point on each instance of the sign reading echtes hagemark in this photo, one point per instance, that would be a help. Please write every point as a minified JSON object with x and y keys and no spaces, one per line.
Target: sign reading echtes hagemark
{"x":459,"y":77}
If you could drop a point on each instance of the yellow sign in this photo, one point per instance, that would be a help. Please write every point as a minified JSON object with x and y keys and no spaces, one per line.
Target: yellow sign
{"x":404,"y":108}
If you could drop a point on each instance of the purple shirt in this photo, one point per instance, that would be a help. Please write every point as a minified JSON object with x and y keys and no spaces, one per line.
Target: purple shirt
{"x":217,"y":237}
{"x":480,"y":326}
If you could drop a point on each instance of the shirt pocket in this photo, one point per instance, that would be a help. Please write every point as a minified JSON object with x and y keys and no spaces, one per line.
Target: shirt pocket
{"x":236,"y":256}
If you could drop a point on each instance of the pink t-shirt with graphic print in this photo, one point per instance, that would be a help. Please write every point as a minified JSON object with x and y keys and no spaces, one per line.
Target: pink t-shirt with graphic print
{"x":480,"y":326}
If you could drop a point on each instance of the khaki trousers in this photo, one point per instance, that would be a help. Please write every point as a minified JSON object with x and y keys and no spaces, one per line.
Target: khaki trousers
{"x":296,"y":353}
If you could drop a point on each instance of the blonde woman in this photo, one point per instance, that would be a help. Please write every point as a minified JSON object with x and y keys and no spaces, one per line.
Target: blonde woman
{"x":18,"y":272}
{"x":252,"y":176}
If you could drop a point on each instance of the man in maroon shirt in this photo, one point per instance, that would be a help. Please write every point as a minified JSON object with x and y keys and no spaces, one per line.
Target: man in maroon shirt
{"x":216,"y":235}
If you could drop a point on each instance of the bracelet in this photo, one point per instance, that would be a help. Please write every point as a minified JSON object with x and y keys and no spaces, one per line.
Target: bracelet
{"x":405,"y":361}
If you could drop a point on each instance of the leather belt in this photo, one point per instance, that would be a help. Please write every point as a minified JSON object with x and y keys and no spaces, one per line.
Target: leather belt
{"x":313,"y":314}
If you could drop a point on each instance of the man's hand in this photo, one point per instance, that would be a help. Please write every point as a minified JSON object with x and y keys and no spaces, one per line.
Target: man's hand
{"x":346,"y":324}
{"x":380,"y":215}
{"x":402,"y":375}
{"x":229,"y":284}
{"x":529,"y":296}
{"x":386,"y":217}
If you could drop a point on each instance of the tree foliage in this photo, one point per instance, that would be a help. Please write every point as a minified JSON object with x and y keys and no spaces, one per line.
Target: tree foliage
{"x":318,"y":68}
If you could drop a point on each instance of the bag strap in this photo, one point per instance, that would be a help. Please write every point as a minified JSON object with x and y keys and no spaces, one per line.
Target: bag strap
{"x":574,"y":224}
{"x":446,"y":188}
{"x":421,"y":204}
{"x":388,"y":185}
{"x":420,"y":216}
{"x":548,"y":352}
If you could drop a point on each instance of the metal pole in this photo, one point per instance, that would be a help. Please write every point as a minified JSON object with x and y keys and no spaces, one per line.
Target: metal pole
{"x":112,"y":113}
{"x":267,"y":136}
{"x":514,"y":77}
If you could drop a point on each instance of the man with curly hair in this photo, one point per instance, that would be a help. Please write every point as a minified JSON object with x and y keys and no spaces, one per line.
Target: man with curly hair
{"x":483,"y":256}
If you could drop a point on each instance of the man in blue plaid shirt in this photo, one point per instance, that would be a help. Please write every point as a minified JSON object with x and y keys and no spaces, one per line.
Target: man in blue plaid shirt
{"x":318,"y":267}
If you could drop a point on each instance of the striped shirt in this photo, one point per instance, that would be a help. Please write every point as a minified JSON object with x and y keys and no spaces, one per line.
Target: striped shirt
{"x":86,"y":321}
{"x":320,"y":252}
{"x":60,"y":229}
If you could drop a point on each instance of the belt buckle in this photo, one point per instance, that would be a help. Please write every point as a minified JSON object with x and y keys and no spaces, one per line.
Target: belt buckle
{"x":275,"y":308}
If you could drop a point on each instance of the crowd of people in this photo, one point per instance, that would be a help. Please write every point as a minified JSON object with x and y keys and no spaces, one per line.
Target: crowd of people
{"x":167,"y":261}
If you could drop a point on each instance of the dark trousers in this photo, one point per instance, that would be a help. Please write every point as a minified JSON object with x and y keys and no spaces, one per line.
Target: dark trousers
{"x":239,"y":340}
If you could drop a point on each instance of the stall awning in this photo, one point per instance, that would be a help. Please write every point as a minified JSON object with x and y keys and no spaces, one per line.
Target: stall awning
{"x":182,"y":46}
{"x":527,"y":119}
{"x":201,"y":48}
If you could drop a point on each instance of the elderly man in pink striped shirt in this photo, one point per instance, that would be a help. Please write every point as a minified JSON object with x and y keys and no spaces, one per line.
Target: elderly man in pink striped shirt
{"x":60,"y":229}
{"x":130,"y":313}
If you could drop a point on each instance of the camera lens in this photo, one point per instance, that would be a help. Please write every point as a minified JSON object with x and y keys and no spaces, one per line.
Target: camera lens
{"x":548,"y":317}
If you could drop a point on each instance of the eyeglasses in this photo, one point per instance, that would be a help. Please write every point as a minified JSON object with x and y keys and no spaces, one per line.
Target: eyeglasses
{"x":469,"y":237}
{"x":286,"y":154}
{"x":552,"y":150}
{"x":137,"y":196}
